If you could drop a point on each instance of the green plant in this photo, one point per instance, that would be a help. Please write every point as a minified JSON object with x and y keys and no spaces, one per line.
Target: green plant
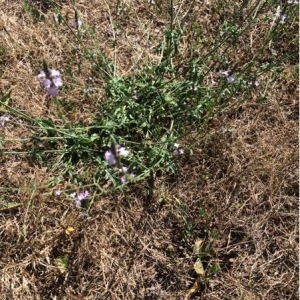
{"x":148,"y":111}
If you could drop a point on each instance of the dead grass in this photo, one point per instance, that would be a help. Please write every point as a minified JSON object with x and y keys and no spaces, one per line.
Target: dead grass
{"x":238,"y":191}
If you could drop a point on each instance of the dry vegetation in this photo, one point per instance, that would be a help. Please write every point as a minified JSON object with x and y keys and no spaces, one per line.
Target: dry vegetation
{"x":238,"y":192}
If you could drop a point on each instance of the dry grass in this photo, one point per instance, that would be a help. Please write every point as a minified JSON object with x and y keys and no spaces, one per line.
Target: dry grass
{"x":238,"y":191}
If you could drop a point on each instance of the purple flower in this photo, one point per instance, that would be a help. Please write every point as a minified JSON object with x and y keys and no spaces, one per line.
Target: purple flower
{"x":123,"y":169}
{"x":78,"y":203}
{"x":41,"y":75}
{"x":228,"y":75}
{"x":178,"y":150}
{"x":53,"y":91}
{"x":80,"y":197}
{"x":3,"y":119}
{"x":126,"y":176}
{"x":292,"y":2}
{"x":46,"y":83}
{"x":77,"y":23}
{"x":230,"y":79}
{"x":281,"y":16}
{"x":54,"y":73}
{"x":110,"y":158}
{"x":254,"y":83}
{"x":122,"y":151}
{"x":51,"y":81}
{"x":123,"y":179}
{"x":57,"y":192}
{"x":57,"y":82}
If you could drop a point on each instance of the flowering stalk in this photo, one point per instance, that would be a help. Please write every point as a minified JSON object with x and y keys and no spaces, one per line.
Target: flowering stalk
{"x":51,"y":80}
{"x":77,"y":23}
{"x":112,"y":157}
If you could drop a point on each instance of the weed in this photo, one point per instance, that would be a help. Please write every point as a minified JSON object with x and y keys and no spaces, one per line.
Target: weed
{"x":112,"y":124}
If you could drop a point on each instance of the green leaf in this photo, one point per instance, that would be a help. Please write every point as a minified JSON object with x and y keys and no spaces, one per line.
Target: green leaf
{"x":215,"y":268}
{"x":5,"y":100}
{"x":62,"y":263}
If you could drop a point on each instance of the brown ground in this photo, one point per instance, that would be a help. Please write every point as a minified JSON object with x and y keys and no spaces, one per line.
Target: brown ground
{"x":238,"y":191}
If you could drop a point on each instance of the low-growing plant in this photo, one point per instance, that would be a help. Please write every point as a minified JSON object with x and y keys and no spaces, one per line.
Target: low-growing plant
{"x":149,"y":112}
{"x":112,"y":121}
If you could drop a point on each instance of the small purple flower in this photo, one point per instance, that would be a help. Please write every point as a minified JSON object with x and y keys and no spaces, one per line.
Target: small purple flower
{"x":78,"y":203}
{"x":53,"y":91}
{"x":51,"y":81}
{"x":57,"y":82}
{"x":122,"y":151}
{"x":77,"y":23}
{"x":126,"y":176}
{"x":54,"y":73}
{"x":46,"y":83}
{"x":123,"y":169}
{"x":281,"y":16}
{"x":230,"y":79}
{"x":80,"y":197}
{"x":110,"y":158}
{"x":254,"y":83}
{"x":57,"y":192}
{"x":73,"y":195}
{"x":3,"y":119}
{"x":228,"y":75}
{"x":123,"y":179}
{"x":41,"y":75}
{"x":178,"y":150}
{"x":292,"y":2}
